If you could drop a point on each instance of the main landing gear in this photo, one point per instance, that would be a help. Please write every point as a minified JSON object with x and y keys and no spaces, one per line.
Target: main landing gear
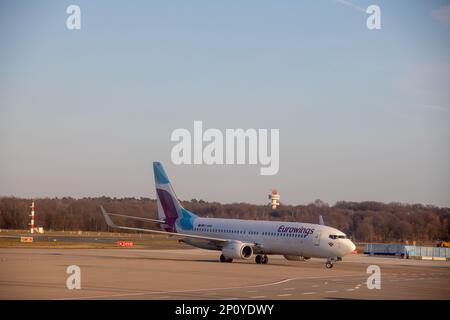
{"x":261,"y":259}
{"x":224,"y":259}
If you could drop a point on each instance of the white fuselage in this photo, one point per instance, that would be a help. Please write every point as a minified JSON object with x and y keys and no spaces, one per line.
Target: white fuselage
{"x":273,"y":237}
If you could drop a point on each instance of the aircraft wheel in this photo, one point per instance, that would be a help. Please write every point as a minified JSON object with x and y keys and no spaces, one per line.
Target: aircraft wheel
{"x":259,"y":259}
{"x":222,"y":258}
{"x":265,"y":259}
{"x":329,"y":265}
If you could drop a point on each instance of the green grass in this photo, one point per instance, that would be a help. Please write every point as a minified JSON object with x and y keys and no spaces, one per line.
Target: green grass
{"x":140,"y":241}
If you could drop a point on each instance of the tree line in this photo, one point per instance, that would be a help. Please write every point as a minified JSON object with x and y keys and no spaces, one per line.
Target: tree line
{"x":363,"y":221}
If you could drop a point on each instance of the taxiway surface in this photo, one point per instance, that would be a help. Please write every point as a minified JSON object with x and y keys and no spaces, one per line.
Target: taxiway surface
{"x":197,"y":274}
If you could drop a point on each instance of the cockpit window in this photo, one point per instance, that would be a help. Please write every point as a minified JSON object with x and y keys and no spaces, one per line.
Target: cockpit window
{"x":335,"y":236}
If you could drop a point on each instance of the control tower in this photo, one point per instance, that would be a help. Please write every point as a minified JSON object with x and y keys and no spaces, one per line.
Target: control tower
{"x":274,"y":198}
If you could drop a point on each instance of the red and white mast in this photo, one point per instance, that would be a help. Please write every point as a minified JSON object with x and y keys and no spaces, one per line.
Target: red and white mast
{"x":32,"y":217}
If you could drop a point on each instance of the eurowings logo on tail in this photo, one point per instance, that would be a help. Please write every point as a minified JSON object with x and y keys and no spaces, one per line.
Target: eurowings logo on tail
{"x":169,"y":208}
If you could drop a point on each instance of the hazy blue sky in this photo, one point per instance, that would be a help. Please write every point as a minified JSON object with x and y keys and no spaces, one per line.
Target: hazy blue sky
{"x":363,"y":115}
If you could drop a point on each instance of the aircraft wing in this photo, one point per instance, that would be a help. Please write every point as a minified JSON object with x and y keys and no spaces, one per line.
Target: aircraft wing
{"x":135,"y":218}
{"x":216,"y":241}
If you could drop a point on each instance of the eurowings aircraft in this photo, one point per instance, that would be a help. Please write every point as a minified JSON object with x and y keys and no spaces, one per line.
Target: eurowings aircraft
{"x":240,"y":239}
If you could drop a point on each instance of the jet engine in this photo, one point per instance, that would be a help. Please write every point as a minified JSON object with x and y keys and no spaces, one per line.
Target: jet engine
{"x":237,"y":250}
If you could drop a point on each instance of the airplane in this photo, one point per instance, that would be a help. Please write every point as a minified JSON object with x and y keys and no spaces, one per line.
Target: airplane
{"x":240,"y":239}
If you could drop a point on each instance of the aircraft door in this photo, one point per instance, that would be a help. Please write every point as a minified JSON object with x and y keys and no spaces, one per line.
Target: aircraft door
{"x":316,"y":239}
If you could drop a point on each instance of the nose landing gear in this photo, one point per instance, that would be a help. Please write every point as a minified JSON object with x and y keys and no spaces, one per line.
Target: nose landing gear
{"x":329,"y":263}
{"x":261,"y":259}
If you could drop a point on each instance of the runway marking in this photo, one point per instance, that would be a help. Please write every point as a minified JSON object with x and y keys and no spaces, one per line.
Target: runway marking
{"x":142,"y":293}
{"x":258,"y":297}
{"x":349,"y":289}
{"x":309,"y":292}
{"x":284,"y":295}
{"x":250,"y":291}
{"x":331,"y":291}
{"x":289,"y":289}
{"x":178,"y":291}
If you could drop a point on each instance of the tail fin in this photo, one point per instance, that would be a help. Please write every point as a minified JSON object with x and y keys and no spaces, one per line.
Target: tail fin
{"x":169,"y":208}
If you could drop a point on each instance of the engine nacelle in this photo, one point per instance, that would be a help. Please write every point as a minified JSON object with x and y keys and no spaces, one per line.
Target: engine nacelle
{"x":296,"y":258}
{"x":237,"y":250}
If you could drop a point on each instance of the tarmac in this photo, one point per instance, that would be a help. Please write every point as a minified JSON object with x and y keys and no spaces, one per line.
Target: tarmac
{"x":195,"y":274}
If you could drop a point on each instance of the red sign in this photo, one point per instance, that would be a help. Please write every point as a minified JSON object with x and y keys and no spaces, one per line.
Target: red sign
{"x":125,"y":243}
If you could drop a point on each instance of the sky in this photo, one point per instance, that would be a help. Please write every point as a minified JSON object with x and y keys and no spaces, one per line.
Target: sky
{"x":364,"y":115}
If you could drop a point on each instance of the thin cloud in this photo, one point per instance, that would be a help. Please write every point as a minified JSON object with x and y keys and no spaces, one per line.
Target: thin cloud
{"x":435,"y":107}
{"x":350,"y":5}
{"x":442,"y":15}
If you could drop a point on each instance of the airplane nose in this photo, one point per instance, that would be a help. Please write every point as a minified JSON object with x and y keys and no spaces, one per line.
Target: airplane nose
{"x":352,"y":246}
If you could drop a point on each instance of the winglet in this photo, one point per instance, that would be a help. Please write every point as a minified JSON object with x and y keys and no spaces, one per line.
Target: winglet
{"x":107,"y":218}
{"x":321,"y":220}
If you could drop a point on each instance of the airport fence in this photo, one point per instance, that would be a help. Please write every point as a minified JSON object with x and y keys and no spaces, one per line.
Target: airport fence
{"x":407,"y":251}
{"x":433,"y":253}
